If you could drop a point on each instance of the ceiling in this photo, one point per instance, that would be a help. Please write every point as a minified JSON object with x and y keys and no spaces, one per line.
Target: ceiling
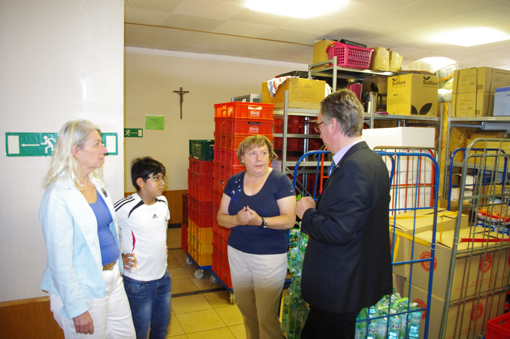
{"x":229,"y":27}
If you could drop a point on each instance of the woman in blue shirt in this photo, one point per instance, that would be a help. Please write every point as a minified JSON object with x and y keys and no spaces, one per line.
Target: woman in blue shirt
{"x":258,"y":205}
{"x":82,"y":273}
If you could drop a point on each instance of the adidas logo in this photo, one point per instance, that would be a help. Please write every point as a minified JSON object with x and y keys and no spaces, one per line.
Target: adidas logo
{"x":155,"y":216}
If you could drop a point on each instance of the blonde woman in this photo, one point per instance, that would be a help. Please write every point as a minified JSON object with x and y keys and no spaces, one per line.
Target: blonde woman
{"x":82,"y":273}
{"x":258,"y":206}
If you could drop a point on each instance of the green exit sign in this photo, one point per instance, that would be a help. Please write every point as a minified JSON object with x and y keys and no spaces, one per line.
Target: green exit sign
{"x":42,"y":144}
{"x":133,"y":133}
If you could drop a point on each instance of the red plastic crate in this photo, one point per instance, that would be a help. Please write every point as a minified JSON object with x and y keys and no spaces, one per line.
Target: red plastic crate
{"x":219,"y":185}
{"x":191,"y":177}
{"x":215,"y":254}
{"x":184,"y":238}
{"x":293,"y":144}
{"x":350,"y":56}
{"x":193,"y":165}
{"x":202,"y":207}
{"x":203,"y":193}
{"x":236,"y":109}
{"x":221,"y":125}
{"x":499,"y":327}
{"x":204,"y":167}
{"x":233,"y":140}
{"x":203,"y":221}
{"x":216,"y":209}
{"x":315,"y":144}
{"x":218,"y":140}
{"x":204,"y":180}
{"x":226,"y":157}
{"x":249,"y":126}
{"x":216,"y":199}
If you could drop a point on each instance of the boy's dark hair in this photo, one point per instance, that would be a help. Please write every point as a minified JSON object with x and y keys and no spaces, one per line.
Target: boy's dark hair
{"x":142,"y":167}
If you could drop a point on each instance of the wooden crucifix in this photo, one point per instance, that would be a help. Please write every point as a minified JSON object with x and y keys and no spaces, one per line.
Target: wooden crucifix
{"x":181,"y":93}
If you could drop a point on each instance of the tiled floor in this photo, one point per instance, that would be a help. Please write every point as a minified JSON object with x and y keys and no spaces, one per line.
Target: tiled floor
{"x":200,"y":309}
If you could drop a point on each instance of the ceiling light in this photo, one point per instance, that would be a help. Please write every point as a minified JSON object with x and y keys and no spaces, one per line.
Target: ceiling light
{"x":296,"y":8}
{"x":472,"y":36}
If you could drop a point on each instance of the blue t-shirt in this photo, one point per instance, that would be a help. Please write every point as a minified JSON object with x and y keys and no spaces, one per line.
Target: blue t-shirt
{"x":252,"y":239}
{"x":109,"y":249}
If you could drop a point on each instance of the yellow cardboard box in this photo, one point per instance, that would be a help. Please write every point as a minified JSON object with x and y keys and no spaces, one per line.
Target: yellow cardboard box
{"x":413,"y":94}
{"x":320,"y":54}
{"x":462,"y":319}
{"x":481,"y":79}
{"x":380,"y":59}
{"x":492,"y":156}
{"x":472,"y":274}
{"x":476,"y":104}
{"x":407,"y":222}
{"x":303,"y":93}
{"x":395,"y":61}
{"x":383,"y":59}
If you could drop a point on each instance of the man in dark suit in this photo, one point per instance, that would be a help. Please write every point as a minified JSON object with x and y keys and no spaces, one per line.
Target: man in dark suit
{"x":347,"y":262}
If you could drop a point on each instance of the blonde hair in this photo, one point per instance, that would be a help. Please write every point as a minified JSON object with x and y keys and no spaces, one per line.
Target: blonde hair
{"x":63,"y":163}
{"x":256,"y":140}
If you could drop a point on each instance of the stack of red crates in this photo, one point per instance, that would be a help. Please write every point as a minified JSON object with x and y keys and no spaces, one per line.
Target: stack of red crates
{"x":184,"y":223}
{"x":234,"y":122}
{"x":200,"y":185}
{"x":295,"y":125}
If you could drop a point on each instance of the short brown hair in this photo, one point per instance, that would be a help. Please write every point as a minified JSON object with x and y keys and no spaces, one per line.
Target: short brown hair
{"x":348,"y":111}
{"x":250,"y":142}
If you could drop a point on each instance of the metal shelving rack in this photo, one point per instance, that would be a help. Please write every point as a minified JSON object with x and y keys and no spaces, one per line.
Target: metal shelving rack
{"x":459,"y":122}
{"x":335,"y":72}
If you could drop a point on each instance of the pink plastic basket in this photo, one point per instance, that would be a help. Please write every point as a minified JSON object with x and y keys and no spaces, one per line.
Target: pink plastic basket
{"x":350,"y":56}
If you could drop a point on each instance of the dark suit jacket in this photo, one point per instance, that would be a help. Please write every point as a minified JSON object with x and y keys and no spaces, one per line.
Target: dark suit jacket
{"x":347,"y":262}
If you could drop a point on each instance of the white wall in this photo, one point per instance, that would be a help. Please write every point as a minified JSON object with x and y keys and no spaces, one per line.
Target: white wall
{"x":59,"y":61}
{"x":153,"y":75}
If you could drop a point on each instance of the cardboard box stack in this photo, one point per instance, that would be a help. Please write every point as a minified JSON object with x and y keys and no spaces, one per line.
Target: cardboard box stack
{"x":473,"y":275}
{"x":234,"y":122}
{"x":303,"y":93}
{"x":199,"y":201}
{"x":413,"y":94}
{"x":384,"y":59}
{"x":473,"y":90}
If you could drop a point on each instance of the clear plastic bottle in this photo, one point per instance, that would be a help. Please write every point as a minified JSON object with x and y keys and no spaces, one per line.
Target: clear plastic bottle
{"x":291,"y":327}
{"x":301,"y":314}
{"x":372,"y":324}
{"x":285,"y":315}
{"x":395,"y":325}
{"x":361,"y":326}
{"x":414,"y":321}
{"x":382,"y":325}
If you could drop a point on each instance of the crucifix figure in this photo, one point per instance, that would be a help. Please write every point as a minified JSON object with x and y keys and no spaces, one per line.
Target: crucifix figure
{"x":181,"y":93}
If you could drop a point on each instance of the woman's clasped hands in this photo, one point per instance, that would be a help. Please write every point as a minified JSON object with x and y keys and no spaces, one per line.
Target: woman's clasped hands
{"x":247,"y":216}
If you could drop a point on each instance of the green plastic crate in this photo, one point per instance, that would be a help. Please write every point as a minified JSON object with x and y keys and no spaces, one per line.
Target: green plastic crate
{"x":202,"y":149}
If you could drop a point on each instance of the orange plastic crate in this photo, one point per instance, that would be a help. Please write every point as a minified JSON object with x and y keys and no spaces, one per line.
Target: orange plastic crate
{"x":202,"y":259}
{"x":236,"y":109}
{"x":201,"y":233}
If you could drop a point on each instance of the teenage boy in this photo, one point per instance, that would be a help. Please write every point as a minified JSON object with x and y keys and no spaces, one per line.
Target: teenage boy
{"x":143,"y":222}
